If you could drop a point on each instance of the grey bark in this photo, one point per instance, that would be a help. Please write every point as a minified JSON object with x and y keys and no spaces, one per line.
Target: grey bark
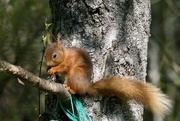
{"x":115,"y":33}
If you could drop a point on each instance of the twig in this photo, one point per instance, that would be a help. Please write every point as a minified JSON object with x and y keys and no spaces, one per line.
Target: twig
{"x":35,"y":81}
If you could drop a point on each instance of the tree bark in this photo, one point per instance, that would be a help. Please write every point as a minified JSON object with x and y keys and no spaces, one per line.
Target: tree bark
{"x":115,"y":33}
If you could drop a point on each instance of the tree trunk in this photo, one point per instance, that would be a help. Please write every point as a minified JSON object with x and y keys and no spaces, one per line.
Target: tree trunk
{"x":115,"y":33}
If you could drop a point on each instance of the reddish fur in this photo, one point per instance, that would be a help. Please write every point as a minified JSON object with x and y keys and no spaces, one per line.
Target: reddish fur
{"x":77,"y":66}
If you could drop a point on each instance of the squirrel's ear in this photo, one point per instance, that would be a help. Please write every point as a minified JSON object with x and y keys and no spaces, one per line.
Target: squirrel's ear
{"x":48,"y":38}
{"x":59,"y":44}
{"x":58,"y":39}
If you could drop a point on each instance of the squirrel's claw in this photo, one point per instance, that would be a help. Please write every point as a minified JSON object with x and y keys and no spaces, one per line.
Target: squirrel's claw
{"x":69,"y":89}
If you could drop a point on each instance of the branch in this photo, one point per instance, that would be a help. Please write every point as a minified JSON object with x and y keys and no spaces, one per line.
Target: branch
{"x":42,"y":84}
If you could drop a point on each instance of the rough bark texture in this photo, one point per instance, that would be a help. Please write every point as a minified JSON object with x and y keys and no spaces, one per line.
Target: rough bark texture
{"x":115,"y":33}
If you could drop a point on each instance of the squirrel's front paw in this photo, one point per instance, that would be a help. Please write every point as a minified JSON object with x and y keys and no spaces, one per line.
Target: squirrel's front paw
{"x":69,"y":89}
{"x":51,"y":71}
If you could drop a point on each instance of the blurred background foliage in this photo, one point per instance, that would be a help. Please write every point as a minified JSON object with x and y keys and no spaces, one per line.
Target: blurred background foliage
{"x":22,"y":25}
{"x":164,"y":51}
{"x":21,"y":28}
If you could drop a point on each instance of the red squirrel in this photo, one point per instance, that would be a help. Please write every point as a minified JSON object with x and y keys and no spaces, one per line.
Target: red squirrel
{"x":76,"y":65}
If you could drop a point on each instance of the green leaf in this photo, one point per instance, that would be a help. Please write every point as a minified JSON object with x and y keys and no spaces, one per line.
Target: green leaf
{"x":47,"y":25}
{"x":44,"y":39}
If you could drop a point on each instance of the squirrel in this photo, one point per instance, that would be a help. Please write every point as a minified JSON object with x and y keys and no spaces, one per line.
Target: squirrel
{"x":76,"y":65}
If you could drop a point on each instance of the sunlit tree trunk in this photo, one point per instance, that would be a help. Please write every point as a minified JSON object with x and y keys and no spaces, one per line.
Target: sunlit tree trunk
{"x":115,"y":33}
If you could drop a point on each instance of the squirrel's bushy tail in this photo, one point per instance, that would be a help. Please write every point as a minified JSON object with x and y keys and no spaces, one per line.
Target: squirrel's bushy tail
{"x":150,"y":96}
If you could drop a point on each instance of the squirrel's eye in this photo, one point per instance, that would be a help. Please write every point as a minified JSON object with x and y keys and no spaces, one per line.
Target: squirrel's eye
{"x":54,"y":55}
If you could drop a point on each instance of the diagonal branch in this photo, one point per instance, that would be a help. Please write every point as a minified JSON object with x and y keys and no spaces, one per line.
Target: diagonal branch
{"x":42,"y":84}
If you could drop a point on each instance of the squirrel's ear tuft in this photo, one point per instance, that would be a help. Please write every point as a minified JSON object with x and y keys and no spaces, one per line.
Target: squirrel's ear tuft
{"x":58,"y":43}
{"x":48,"y":38}
{"x":59,"y":39}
